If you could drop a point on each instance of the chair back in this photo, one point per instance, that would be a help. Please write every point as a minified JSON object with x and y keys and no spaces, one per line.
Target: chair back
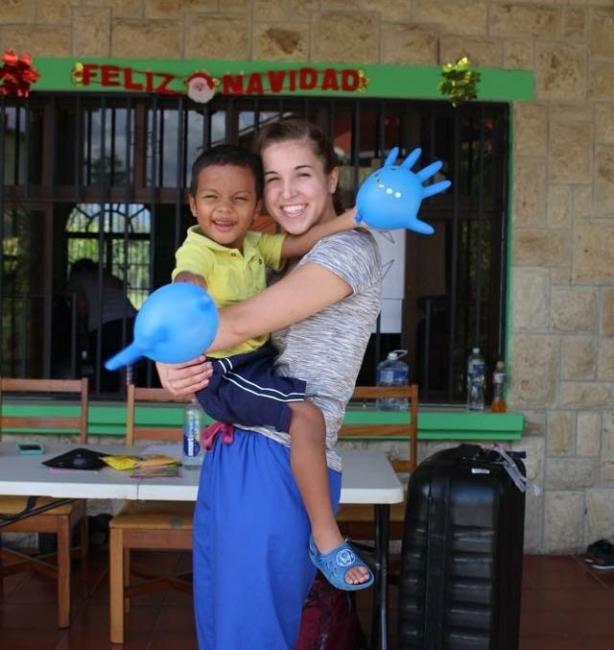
{"x":407,"y":430}
{"x":135,"y":431}
{"x":30,"y":423}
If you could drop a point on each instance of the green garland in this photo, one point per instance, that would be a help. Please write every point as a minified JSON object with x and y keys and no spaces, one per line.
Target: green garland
{"x":460,"y":81}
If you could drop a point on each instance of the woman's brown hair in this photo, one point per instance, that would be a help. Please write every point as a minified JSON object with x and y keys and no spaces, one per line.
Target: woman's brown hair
{"x":297,"y":129}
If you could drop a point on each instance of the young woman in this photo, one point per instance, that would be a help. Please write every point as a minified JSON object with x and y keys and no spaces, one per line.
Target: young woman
{"x":252,"y":569}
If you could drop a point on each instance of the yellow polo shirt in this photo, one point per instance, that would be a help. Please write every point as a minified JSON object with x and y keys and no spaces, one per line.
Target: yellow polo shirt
{"x":231,"y":275}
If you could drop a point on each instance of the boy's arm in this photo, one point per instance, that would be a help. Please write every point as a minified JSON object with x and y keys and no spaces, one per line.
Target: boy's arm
{"x":299,"y":245}
{"x":192,"y":278}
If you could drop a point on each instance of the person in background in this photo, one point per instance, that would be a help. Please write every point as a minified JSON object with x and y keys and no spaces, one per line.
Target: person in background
{"x":103,"y":311}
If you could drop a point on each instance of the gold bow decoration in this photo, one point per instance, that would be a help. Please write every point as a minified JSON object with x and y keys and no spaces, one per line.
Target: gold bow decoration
{"x":460,"y":81}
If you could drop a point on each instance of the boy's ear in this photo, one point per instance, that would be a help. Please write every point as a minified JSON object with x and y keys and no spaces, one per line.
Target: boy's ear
{"x":192,"y":203}
{"x":333,"y":180}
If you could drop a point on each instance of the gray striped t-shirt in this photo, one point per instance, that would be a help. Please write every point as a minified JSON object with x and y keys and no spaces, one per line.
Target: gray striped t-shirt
{"x":326,"y":349}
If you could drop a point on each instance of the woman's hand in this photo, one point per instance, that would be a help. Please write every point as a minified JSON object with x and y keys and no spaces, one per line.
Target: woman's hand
{"x":185,"y":379}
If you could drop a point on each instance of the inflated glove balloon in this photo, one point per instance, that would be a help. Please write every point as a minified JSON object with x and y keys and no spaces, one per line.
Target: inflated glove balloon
{"x":176,"y":323}
{"x":391,"y":196}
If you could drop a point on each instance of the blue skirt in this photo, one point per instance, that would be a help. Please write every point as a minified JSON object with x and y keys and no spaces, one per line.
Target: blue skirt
{"x":252,"y":571}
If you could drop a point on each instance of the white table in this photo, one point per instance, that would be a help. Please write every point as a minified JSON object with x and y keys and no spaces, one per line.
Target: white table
{"x":368,"y":478}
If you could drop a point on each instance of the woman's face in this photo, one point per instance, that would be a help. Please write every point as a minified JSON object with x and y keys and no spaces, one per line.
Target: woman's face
{"x":297,"y":190}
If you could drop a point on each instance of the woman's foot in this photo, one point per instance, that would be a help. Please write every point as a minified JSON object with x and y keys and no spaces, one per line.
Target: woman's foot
{"x":327,"y":539}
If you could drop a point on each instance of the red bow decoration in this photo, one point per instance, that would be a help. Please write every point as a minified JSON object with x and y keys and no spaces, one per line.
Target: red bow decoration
{"x":17,"y":74}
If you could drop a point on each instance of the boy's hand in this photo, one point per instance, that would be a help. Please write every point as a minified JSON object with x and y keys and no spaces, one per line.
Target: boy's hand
{"x":191,"y":278}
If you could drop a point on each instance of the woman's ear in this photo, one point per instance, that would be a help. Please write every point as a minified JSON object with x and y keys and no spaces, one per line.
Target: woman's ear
{"x":333,"y":180}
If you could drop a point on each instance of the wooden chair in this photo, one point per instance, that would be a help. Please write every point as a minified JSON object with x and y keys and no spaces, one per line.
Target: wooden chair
{"x":145,"y":525}
{"x":356,"y":520}
{"x":60,"y":520}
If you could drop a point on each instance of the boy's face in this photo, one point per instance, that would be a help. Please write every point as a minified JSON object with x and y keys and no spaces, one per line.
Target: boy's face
{"x":225,"y":203}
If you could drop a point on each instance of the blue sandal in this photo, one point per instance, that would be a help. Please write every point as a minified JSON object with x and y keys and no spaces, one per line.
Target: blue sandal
{"x":335,"y":564}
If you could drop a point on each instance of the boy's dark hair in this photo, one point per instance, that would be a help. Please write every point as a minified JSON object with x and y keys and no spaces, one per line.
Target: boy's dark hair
{"x":228,"y":154}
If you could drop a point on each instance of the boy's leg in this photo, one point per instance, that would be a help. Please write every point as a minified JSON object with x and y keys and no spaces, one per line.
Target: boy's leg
{"x":308,"y":460}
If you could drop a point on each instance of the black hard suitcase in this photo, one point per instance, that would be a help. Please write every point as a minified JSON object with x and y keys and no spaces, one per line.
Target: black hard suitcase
{"x":461,"y":570}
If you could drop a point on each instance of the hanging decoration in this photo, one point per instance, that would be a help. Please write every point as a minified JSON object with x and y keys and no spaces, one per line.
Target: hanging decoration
{"x":460,"y":81}
{"x":17,"y":74}
{"x":201,"y":86}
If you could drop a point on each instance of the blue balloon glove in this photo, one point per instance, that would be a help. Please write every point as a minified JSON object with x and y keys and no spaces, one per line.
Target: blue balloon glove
{"x":176,"y":323}
{"x":391,"y":196}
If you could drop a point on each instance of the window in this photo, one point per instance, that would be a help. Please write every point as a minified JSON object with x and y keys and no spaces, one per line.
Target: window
{"x":104,"y":177}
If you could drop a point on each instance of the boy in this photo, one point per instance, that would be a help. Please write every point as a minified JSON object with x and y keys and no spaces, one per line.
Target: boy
{"x":223,"y":256}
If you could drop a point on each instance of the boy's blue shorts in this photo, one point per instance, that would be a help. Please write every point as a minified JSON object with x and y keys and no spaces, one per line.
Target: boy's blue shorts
{"x":244,"y":389}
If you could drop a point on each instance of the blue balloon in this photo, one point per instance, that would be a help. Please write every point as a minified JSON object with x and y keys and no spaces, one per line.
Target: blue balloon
{"x":391,"y":196}
{"x":176,"y":323}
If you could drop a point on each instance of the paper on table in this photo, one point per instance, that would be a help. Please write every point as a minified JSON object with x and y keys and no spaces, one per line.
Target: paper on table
{"x":172,"y":449}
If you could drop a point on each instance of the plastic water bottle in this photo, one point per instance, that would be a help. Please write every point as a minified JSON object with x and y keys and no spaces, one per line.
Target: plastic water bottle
{"x":393,"y":372}
{"x":192,"y":425}
{"x":476,"y":371}
{"x":498,"y":379}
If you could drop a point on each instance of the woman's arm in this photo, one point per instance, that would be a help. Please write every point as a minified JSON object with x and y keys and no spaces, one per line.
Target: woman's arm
{"x":298,"y":295}
{"x":299,"y":245}
{"x":301,"y":293}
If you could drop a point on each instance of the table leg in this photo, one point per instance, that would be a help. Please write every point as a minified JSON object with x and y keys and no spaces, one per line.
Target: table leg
{"x":380,"y":591}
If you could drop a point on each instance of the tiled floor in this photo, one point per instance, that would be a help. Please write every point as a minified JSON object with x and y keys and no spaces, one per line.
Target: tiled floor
{"x":566,"y":606}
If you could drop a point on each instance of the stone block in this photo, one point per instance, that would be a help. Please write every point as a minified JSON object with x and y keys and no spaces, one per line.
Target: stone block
{"x":582,"y":201}
{"x":40,"y":41}
{"x":350,"y":37}
{"x":208,"y":36}
{"x":151,"y":39}
{"x":518,"y":53}
{"x":53,"y":12}
{"x":599,"y":514}
{"x":574,"y":309}
{"x":534,"y":462}
{"x":571,"y":152}
{"x":588,"y":433}
{"x":281,"y":41}
{"x":530,"y":124}
{"x":607,"y":447}
{"x":531,"y":299}
{"x":535,"y":426}
{"x":575,"y":24}
{"x":391,"y":11}
{"x":542,"y":247}
{"x":480,"y":51}
{"x":593,"y":253}
{"x":578,"y":357}
{"x":535,"y":370}
{"x":604,"y":123}
{"x":559,"y":206}
{"x":601,"y":80}
{"x":560,"y":71}
{"x":92,"y":32}
{"x":607,"y":311}
{"x":605,"y":354}
{"x":602,"y":28}
{"x":604,"y":179}
{"x":451,"y":16}
{"x":404,"y":44}
{"x":562,"y":473}
{"x":512,"y":19}
{"x":530,"y":192}
{"x":533,"y":522}
{"x":127,"y":8}
{"x":560,"y":433}
{"x":563,"y":521}
{"x":170,"y":9}
{"x":17,"y":11}
{"x":274,"y":9}
{"x":584,"y":395}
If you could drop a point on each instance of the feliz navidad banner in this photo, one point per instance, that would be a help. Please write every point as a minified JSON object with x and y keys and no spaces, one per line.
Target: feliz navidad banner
{"x":201,"y":80}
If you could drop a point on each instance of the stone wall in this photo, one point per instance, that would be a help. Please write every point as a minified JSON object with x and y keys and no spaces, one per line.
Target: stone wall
{"x":562,"y":307}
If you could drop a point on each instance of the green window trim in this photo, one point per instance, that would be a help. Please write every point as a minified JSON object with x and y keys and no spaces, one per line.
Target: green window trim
{"x":434,"y":424}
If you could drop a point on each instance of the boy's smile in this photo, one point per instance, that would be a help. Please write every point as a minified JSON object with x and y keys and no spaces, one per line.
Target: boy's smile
{"x":225,"y":203}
